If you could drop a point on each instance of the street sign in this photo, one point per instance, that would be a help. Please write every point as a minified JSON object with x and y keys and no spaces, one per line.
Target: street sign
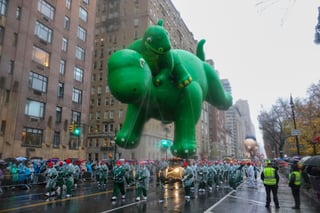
{"x":295,"y":132}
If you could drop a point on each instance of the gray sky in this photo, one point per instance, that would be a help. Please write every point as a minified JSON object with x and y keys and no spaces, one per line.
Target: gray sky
{"x":264,"y":47}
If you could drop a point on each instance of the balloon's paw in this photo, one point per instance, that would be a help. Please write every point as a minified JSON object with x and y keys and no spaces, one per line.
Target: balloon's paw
{"x":185,"y":82}
{"x":184,"y":150}
{"x":157,"y":82}
{"x":126,"y":142}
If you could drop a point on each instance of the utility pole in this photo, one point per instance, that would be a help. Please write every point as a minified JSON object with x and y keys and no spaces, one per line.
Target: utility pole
{"x":294,"y":125}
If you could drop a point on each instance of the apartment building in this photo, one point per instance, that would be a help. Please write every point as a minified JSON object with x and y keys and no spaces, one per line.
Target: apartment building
{"x":46,"y":50}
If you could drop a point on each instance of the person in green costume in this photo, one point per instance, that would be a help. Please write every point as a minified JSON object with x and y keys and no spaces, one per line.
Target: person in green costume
{"x":155,"y":48}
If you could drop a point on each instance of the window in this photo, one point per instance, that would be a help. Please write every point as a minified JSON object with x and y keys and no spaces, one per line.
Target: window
{"x":62,"y":68}
{"x":68,"y":4}
{"x":76,"y":95}
{"x":83,"y":14}
{"x":82,"y":33}
{"x":99,"y":90}
{"x":76,"y":116}
{"x":78,"y":74}
{"x":56,"y":139}
{"x":60,"y":91}
{"x":3,"y":126}
{"x":106,"y":115}
{"x":97,"y":115}
{"x":43,"y":32}
{"x":80,"y":53}
{"x":46,"y":9}
{"x":58,"y":114}
{"x":32,"y":137}
{"x":66,"y":23}
{"x":34,"y":108}
{"x":11,"y":67}
{"x":15,"y":39}
{"x":38,"y":82}
{"x":40,"y":56}
{"x":18,"y":13}
{"x":1,"y":34}
{"x":3,"y":7}
{"x":85,"y":1}
{"x":64,"y":44}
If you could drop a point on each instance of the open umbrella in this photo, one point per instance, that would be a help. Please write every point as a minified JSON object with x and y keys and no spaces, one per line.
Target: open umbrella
{"x":21,"y":158}
{"x":313,"y":161}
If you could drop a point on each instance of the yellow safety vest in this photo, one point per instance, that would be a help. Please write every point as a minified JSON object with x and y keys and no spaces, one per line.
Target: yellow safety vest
{"x":297,"y":182}
{"x":269,"y":176}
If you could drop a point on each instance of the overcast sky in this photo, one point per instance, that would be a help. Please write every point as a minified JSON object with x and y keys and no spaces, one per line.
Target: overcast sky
{"x":264,"y":47}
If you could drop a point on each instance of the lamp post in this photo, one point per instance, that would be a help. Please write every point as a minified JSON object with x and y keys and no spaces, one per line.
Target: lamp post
{"x":115,"y":146}
{"x":294,"y":125}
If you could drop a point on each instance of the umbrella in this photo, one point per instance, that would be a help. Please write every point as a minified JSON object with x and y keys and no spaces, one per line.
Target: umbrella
{"x":21,"y":158}
{"x":313,"y":161}
{"x":304,"y":159}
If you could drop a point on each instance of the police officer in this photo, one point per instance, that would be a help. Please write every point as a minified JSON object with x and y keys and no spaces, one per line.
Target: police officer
{"x":270,"y":179}
{"x":294,"y":184}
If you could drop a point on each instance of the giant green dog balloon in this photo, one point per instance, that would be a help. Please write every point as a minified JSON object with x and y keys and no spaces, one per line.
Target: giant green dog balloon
{"x":130,"y":80}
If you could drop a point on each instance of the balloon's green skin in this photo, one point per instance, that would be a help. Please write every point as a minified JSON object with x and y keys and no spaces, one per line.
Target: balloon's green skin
{"x":130,"y":81}
{"x":155,"y":48}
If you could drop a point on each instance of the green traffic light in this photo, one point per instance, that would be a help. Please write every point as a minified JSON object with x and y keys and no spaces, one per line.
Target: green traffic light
{"x":165,"y":143}
{"x":76,"y":131}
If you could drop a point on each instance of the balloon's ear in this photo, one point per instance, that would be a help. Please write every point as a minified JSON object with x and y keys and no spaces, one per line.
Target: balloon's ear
{"x":160,"y":22}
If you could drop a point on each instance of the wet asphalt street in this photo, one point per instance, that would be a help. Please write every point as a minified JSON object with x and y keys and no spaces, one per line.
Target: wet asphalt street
{"x":88,"y":197}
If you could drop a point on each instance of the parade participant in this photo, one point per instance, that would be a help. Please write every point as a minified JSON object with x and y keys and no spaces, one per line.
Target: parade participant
{"x":211,"y":175}
{"x":202,"y":177}
{"x":119,"y":181}
{"x":68,"y":175}
{"x":270,"y":179}
{"x":218,"y":177}
{"x":187,"y":180}
{"x":250,"y":172}
{"x":129,"y":173}
{"x":142,"y":181}
{"x":51,"y":174}
{"x":76,"y":173}
{"x":60,"y":179}
{"x":162,"y":168}
{"x":294,"y":184}
{"x":102,"y":174}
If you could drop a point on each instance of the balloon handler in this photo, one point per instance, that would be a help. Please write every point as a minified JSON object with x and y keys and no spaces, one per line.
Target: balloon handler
{"x":51,"y":173}
{"x":119,"y":181}
{"x":69,"y":179}
{"x":130,"y":79}
{"x":142,"y":181}
{"x":187,"y":180}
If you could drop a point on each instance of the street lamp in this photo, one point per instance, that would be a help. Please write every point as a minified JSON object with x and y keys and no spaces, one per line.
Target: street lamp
{"x":294,"y":125}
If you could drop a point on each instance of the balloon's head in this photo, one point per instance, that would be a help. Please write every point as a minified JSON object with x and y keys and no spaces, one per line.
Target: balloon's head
{"x":156,"y":39}
{"x":129,"y":76}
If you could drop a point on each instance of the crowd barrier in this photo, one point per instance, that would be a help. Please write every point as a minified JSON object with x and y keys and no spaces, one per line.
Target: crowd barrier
{"x":9,"y":181}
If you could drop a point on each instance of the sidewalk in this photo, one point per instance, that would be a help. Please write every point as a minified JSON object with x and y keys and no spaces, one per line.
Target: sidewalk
{"x":246,"y":199}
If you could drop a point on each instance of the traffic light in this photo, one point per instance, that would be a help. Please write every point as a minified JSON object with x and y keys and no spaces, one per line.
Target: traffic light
{"x":71,"y":127}
{"x":165,"y":143}
{"x":76,"y":130}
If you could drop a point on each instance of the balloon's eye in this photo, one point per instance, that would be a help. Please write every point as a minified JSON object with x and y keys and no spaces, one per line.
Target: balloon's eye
{"x":142,"y":62}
